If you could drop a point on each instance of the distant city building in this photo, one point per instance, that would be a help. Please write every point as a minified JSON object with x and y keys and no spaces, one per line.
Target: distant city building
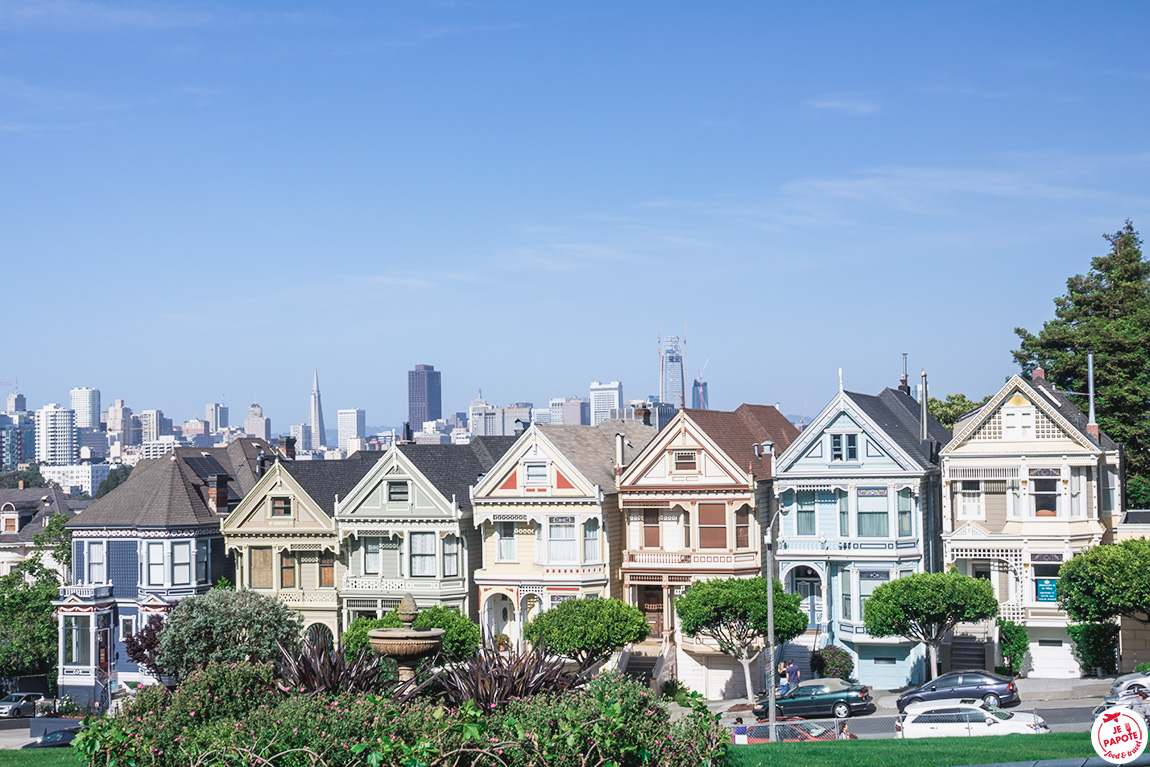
{"x":158,"y":448}
{"x":460,"y":436}
{"x":194,"y":426}
{"x":424,"y":395}
{"x":93,"y":444}
{"x":17,"y":403}
{"x":154,"y":425}
{"x":302,"y":434}
{"x":658,"y":414}
{"x":540,"y":415}
{"x":555,"y":405}
{"x":86,"y":405}
{"x":352,"y":424}
{"x":118,"y":416}
{"x":217,"y":417}
{"x":604,"y":398}
{"x":17,"y":442}
{"x":77,"y":478}
{"x":315,"y":415}
{"x":56,"y":436}
{"x":485,"y":420}
{"x":671,"y":384}
{"x":255,"y":425}
{"x":576,"y":412}
{"x":699,"y":400}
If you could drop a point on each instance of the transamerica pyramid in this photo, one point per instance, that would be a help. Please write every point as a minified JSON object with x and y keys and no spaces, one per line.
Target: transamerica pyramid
{"x":315,"y":415}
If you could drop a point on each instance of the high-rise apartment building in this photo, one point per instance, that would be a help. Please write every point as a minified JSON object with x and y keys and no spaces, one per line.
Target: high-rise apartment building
{"x":255,"y":425}
{"x":86,"y":405}
{"x":56,"y":436}
{"x":301,"y":432}
{"x":671,"y":385}
{"x":217,"y":417}
{"x":352,"y":424}
{"x":315,"y":415}
{"x":424,"y":396}
{"x":153,"y":425}
{"x":17,"y":403}
{"x":699,"y":399}
{"x":577,"y":411}
{"x":555,"y":405}
{"x":604,"y":399}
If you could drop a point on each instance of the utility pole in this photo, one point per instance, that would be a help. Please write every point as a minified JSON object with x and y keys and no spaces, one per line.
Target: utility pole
{"x":769,"y":541}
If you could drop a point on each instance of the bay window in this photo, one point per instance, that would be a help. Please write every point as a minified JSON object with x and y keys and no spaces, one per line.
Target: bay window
{"x":201,"y":561}
{"x":155,"y":563}
{"x":450,"y":556}
{"x":591,"y":540}
{"x":651,"y":528}
{"x":326,"y":569}
{"x":261,"y":568}
{"x":77,"y":640}
{"x":873,"y":520}
{"x":561,"y":539}
{"x":905,"y":514}
{"x":844,"y":514}
{"x":742,"y":528}
{"x":505,"y":545}
{"x":1044,"y":493}
{"x":371,"y":556}
{"x":805,"y":512}
{"x":96,"y":570}
{"x":712,"y":525}
{"x":423,"y":555}
{"x":181,"y":564}
{"x":869,"y":580}
{"x":969,"y":499}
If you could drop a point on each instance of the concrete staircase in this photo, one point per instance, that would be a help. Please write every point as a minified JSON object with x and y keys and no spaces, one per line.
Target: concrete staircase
{"x":798,"y":651}
{"x":641,"y":664}
{"x":967,"y":652}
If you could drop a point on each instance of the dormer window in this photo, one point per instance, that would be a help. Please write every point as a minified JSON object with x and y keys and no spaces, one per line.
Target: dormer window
{"x":535,"y":473}
{"x":397,"y":492}
{"x":9,"y":524}
{"x":686,"y":460}
{"x":844,"y":447}
{"x":281,"y":507}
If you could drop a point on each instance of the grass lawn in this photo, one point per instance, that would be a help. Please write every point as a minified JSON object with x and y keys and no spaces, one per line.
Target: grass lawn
{"x":41,"y":757}
{"x":923,"y":752}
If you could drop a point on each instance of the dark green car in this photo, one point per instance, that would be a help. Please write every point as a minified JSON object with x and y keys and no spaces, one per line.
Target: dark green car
{"x":821,"y":697}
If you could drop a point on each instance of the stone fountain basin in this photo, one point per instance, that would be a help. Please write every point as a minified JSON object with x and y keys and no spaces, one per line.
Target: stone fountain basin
{"x":405,"y":643}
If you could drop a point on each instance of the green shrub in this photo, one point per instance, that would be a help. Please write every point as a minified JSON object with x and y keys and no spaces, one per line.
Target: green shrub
{"x":587,"y":630}
{"x":1095,"y":645}
{"x":1142,"y":668}
{"x":461,"y":640}
{"x":832,"y":662}
{"x":1014,"y":642}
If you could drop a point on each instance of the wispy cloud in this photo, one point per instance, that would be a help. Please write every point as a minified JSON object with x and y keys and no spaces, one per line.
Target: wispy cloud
{"x":845,"y":103}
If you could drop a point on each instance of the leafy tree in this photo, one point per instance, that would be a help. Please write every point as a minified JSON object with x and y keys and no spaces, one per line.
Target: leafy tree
{"x":229,"y":627}
{"x":733,"y":613}
{"x":1106,"y":311}
{"x":27,"y":618}
{"x":461,"y":639}
{"x":115,"y":478}
{"x":31,"y":478}
{"x":947,"y":411}
{"x":924,"y":607}
{"x":56,"y":540}
{"x":1107,"y":582}
{"x":143,"y":647}
{"x":587,"y":630}
{"x":1096,"y":645}
{"x":1014,"y":642}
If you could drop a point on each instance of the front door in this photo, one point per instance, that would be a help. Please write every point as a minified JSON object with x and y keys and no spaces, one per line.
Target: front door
{"x":651,"y":603}
{"x":809,"y":587}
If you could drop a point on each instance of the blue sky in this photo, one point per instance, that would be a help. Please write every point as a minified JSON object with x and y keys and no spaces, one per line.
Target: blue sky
{"x":206,"y":199}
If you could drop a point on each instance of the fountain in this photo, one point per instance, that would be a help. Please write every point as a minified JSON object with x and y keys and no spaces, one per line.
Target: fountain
{"x":406,"y":646}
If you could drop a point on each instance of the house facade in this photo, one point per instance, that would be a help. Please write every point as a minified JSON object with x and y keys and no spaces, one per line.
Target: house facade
{"x":407,"y":527}
{"x":1028,"y":483}
{"x":547,"y":517}
{"x":861,"y":493}
{"x":693,"y":503}
{"x":139,"y":550}
{"x":24,"y":512}
{"x":282,"y":537}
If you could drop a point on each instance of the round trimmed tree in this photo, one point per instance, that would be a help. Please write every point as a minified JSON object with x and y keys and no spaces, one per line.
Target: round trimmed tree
{"x":587,"y":630}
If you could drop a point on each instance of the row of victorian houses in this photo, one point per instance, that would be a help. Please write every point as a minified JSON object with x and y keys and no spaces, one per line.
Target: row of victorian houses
{"x":505,"y":527}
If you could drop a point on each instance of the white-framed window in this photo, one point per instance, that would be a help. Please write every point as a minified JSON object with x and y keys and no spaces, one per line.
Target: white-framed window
{"x":846,"y":595}
{"x":561,"y":539}
{"x":905,"y":513}
{"x":535,"y":474}
{"x":96,"y":571}
{"x":844,"y":447}
{"x":505,"y":542}
{"x":181,"y":563}
{"x":1045,"y":498}
{"x":591,"y":540}
{"x":397,"y":492}
{"x":77,"y":640}
{"x":1017,"y":424}
{"x":155,"y":563}
{"x":281,"y":507}
{"x":127,"y":626}
{"x":969,"y":499}
{"x":873,"y":513}
{"x":201,"y":561}
{"x":869,"y":580}
{"x":805,"y":512}
{"x":422,"y":555}
{"x":539,"y":551}
{"x":844,"y":504}
{"x":371,"y":556}
{"x":450,"y":556}
{"x":685,"y":460}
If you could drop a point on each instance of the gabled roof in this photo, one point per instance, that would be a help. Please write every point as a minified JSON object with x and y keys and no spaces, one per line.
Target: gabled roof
{"x":1073,"y":415}
{"x":899,"y":417}
{"x":737,"y":432}
{"x":324,"y":480}
{"x":591,"y":449}
{"x":34,"y":507}
{"x":172,"y":491}
{"x":453,"y":469}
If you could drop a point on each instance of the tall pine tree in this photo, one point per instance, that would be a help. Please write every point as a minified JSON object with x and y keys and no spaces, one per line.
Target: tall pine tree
{"x":1106,"y":311}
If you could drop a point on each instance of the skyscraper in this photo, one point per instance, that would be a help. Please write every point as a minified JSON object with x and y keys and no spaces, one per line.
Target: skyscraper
{"x":16,"y":403}
{"x":699,"y":395}
{"x":86,"y":405}
{"x":217,"y":417}
{"x":255,"y":424}
{"x":153,"y":425}
{"x":671,"y":386}
{"x":315,"y":415}
{"x":302,"y":434}
{"x":424,"y":398}
{"x":352,"y":424}
{"x":604,"y":398}
{"x":56,"y":436}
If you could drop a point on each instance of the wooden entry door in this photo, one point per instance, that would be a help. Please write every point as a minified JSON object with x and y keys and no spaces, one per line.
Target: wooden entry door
{"x":651,"y":603}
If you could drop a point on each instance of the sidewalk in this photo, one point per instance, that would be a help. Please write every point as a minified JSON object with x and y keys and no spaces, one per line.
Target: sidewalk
{"x":1046,"y":693}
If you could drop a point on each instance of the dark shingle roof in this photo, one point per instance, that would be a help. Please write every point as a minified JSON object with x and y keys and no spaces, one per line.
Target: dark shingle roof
{"x":737,"y":433}
{"x":1072,"y":414}
{"x":898,"y":415}
{"x":34,"y":507}
{"x":592,"y":448}
{"x":324,"y":480}
{"x":453,"y":469}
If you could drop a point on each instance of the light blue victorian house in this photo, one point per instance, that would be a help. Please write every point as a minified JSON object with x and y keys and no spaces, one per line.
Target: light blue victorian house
{"x":861,"y":489}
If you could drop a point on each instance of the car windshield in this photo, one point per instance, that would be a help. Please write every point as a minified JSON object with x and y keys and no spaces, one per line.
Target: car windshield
{"x":998,"y":712}
{"x":11,"y":699}
{"x":54,"y":737}
{"x":810,"y":728}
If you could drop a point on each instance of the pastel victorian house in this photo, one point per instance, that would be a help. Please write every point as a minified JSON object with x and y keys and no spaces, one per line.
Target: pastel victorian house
{"x":693,"y":503}
{"x":283,"y":537}
{"x":24,"y":512}
{"x":862,"y":494}
{"x":1028,"y":482}
{"x":407,"y":527}
{"x":547,"y":512}
{"x":142,"y":548}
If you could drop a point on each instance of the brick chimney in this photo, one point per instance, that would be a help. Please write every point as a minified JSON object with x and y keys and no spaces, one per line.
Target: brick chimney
{"x":1092,"y":430}
{"x":1038,"y":373}
{"x":643,"y":413}
{"x":218,"y":493}
{"x":289,"y":448}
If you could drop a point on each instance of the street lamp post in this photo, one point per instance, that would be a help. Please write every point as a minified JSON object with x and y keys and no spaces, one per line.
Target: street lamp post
{"x":768,"y":540}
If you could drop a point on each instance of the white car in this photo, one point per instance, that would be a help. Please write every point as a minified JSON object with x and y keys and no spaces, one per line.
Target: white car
{"x":963,"y":717}
{"x":19,"y":704}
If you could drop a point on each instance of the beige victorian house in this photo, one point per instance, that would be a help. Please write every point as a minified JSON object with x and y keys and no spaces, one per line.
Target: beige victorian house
{"x":283,"y":537}
{"x":547,"y":514}
{"x":1027,"y":484}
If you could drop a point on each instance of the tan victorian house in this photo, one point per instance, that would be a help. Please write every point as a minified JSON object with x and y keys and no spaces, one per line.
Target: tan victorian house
{"x":690,"y":504}
{"x":547,"y":513}
{"x":1028,"y":483}
{"x":283,"y":537}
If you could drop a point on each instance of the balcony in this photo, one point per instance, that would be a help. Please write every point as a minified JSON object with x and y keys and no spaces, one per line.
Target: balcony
{"x":689,"y":559}
{"x":86,"y":592}
{"x":374,"y":583}
{"x":315,"y":598}
{"x":169,"y":593}
{"x":574,"y":572}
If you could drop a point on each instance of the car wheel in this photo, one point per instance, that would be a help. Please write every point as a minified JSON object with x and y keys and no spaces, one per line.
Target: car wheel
{"x":991,"y":699}
{"x":841,"y":710}
{"x":1136,"y":688}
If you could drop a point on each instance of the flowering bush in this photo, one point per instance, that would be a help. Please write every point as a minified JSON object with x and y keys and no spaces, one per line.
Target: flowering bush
{"x":832,"y":662}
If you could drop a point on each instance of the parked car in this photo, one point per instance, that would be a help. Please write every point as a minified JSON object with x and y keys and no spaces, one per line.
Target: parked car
{"x":56,"y":739}
{"x":820,"y":697}
{"x":1125,"y":700}
{"x":995,"y":690}
{"x":1130,"y":683}
{"x":19,"y":704}
{"x":964,"y":717}
{"x":791,"y":729}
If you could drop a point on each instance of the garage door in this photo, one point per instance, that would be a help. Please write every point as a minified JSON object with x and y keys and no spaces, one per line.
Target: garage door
{"x":1051,"y":654}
